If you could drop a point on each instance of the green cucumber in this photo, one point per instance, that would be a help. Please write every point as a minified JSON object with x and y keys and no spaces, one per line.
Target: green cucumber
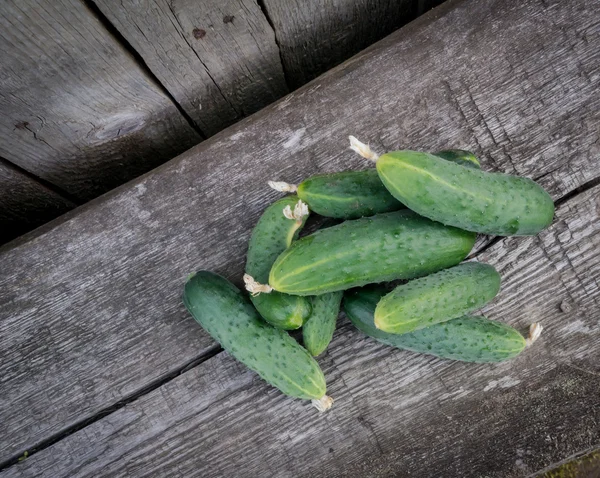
{"x":470,"y":339}
{"x":474,"y":200}
{"x":271,"y":236}
{"x":393,"y":245}
{"x":436,"y":298}
{"x":318,"y":330}
{"x":354,"y":194}
{"x":229,"y":317}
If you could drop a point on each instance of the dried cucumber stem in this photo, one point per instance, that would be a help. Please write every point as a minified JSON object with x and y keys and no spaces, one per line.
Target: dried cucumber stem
{"x":283,"y":187}
{"x":299,"y":213}
{"x":254,"y":287}
{"x":363,"y":149}
{"x":535,"y":330}
{"x":322,"y":404}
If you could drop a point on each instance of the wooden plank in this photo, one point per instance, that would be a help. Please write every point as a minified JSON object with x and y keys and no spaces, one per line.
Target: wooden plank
{"x":25,"y":203}
{"x":218,"y":58}
{"x":315,"y":36}
{"x":120,"y":263}
{"x":397,"y":412}
{"x":77,"y":110}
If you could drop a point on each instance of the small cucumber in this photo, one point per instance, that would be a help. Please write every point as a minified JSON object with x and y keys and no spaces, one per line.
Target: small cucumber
{"x":470,"y":339}
{"x":436,"y":298}
{"x":229,"y":317}
{"x":354,"y":194}
{"x":474,"y":200}
{"x":273,"y":233}
{"x":394,"y":245}
{"x":318,"y":330}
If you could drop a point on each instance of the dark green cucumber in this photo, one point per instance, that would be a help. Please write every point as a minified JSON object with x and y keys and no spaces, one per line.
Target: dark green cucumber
{"x":474,"y":200}
{"x":229,"y":317}
{"x":438,"y":297}
{"x":271,"y":236}
{"x":354,"y":194}
{"x":394,"y":245}
{"x":317,"y":332}
{"x":470,"y":339}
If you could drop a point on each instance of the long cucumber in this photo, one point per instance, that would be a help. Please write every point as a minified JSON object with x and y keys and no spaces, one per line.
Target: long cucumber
{"x":273,"y":233}
{"x":394,"y":245}
{"x":438,"y":297}
{"x":229,"y":317}
{"x":317,"y":332}
{"x":469,"y":339}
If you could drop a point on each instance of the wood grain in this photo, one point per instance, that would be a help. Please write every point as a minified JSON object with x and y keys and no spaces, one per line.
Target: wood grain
{"x":396,"y":412}
{"x":77,"y":110}
{"x":315,"y":36}
{"x":25,"y":203}
{"x":217,"y":58}
{"x":90,"y":311}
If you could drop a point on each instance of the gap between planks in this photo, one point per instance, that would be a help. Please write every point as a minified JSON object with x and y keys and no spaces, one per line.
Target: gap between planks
{"x":217,"y":349}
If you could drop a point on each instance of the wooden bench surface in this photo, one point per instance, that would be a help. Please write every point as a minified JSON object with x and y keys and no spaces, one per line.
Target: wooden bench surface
{"x":102,"y":371}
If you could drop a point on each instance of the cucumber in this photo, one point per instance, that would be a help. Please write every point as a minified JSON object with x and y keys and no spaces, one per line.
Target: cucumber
{"x":318,"y":330}
{"x":354,"y":194}
{"x":474,"y":200}
{"x":436,"y":298}
{"x":273,"y":233}
{"x":393,"y":245}
{"x":229,"y":317}
{"x":469,"y":339}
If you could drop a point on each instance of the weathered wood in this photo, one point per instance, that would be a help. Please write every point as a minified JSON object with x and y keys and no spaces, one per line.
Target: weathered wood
{"x":77,"y":110}
{"x":396,"y":413}
{"x":218,"y":58}
{"x":90,"y":312}
{"x":315,"y":36}
{"x":25,"y":203}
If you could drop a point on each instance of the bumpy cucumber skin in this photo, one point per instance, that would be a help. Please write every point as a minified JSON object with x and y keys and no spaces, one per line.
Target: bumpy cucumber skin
{"x":229,"y":317}
{"x":318,"y":330}
{"x":347,"y":194}
{"x":438,"y":297}
{"x":469,"y":339}
{"x":474,"y":200}
{"x":354,"y":194}
{"x":271,"y":236}
{"x":385,"y":247}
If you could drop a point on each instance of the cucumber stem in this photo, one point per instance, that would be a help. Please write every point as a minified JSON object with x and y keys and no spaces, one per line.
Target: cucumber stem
{"x":322,"y":404}
{"x":363,"y":149}
{"x":254,"y":287}
{"x":300,"y":210}
{"x":283,"y":187}
{"x":535,"y":331}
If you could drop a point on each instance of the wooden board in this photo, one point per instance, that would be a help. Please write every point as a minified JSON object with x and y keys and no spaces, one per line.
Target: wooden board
{"x":90,"y":312}
{"x":396,"y":413}
{"x":25,"y":203}
{"x":77,"y":110}
{"x":315,"y":36}
{"x":217,"y":58}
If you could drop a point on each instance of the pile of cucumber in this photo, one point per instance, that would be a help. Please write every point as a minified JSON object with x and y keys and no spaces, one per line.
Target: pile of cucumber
{"x":414,"y":217}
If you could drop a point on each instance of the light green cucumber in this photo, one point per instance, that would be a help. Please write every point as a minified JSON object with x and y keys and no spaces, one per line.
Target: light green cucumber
{"x":438,"y":297}
{"x":393,"y":245}
{"x":271,"y":236}
{"x":317,"y":332}
{"x":354,"y":194}
{"x":229,"y":317}
{"x":470,"y":339}
{"x":474,"y":200}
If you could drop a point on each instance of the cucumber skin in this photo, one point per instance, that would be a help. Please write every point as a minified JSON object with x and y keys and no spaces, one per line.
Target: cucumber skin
{"x":385,"y":247}
{"x":317,"y":332}
{"x":229,"y":317}
{"x":354,"y":194}
{"x":437,"y":298}
{"x":272,"y":234}
{"x":474,"y":200}
{"x":468,"y":339}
